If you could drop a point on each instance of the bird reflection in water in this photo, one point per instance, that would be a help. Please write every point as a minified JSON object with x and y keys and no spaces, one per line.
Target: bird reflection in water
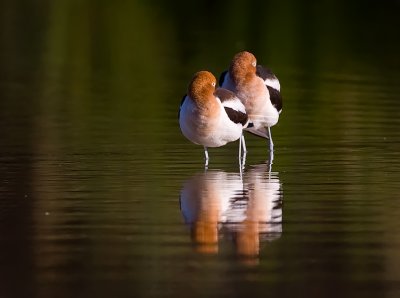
{"x":245,"y":206}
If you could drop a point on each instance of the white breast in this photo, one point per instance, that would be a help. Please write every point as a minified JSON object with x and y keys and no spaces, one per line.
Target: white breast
{"x":208,"y":131}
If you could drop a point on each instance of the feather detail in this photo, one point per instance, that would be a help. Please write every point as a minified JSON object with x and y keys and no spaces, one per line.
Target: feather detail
{"x":276,"y":98}
{"x":236,"y":116}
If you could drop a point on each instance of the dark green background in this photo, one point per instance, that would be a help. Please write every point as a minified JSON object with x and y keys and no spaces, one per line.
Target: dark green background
{"x":92,"y":160}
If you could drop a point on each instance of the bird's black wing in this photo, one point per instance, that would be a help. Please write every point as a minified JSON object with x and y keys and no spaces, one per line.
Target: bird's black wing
{"x":276,"y":98}
{"x":265,"y":73}
{"x":222,"y":77}
{"x":183,"y":99}
{"x":232,"y":105}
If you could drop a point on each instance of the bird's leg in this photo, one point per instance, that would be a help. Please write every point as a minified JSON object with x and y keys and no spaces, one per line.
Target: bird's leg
{"x":271,"y":149}
{"x":206,"y":157}
{"x":243,"y":144}
{"x":271,"y":143}
{"x":240,"y":169}
{"x":270,"y":161}
{"x":242,"y":159}
{"x":240,"y":148}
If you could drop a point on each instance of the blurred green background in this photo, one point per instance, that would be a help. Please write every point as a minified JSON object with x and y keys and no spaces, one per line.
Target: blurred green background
{"x":133,"y":59}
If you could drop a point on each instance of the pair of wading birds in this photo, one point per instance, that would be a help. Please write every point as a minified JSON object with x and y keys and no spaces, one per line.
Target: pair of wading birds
{"x":248,"y":99}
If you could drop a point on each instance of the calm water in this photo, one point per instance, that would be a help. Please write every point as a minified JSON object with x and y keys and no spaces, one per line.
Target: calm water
{"x":101,"y":195}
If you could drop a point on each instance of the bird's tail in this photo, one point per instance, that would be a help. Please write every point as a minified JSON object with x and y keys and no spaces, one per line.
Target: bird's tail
{"x":260,"y":132}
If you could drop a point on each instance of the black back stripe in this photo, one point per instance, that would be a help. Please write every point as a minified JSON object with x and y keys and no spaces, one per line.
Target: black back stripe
{"x":236,"y":116}
{"x":222,"y":77}
{"x":265,"y":73}
{"x":224,"y":94}
{"x":183,"y":99}
{"x":276,"y":98}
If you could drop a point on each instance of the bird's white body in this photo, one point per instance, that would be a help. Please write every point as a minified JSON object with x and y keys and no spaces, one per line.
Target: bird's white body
{"x":210,"y":128}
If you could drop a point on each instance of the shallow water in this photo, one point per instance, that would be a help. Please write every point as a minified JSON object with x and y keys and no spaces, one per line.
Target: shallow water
{"x":101,"y":195}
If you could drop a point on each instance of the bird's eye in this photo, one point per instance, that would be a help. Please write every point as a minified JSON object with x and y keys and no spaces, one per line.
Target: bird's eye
{"x":254,"y":63}
{"x":213,"y":84}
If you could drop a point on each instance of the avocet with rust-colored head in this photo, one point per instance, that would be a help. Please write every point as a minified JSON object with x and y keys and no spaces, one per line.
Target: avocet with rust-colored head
{"x":258,"y":89}
{"x":211,"y":116}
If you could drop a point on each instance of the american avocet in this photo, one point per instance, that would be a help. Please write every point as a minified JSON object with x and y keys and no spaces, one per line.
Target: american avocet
{"x":258,"y":89}
{"x":211,"y":116}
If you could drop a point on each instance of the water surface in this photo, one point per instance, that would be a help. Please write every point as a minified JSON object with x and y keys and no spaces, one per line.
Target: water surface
{"x":101,"y":195}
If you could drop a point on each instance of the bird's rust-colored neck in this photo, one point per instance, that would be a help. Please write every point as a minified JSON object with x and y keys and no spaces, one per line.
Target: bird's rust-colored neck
{"x":202,"y":87}
{"x":242,"y":68}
